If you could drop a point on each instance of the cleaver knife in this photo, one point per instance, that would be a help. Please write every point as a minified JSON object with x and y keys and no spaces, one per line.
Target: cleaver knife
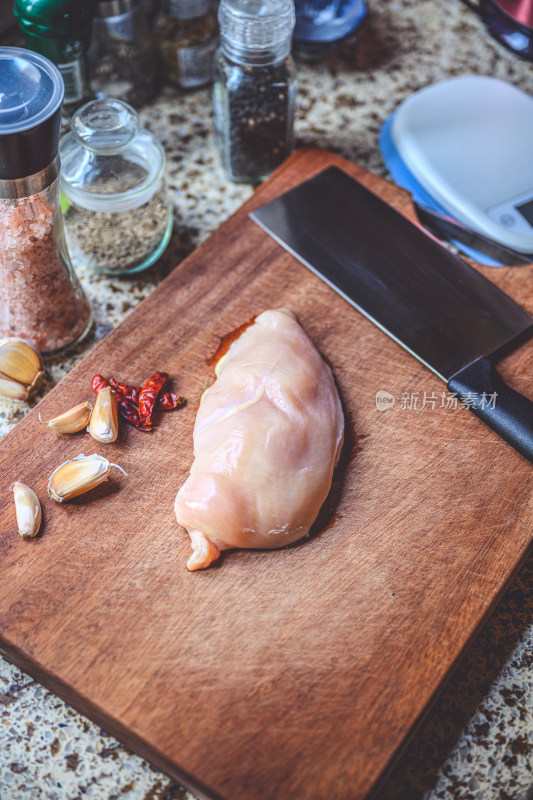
{"x":424,"y":297}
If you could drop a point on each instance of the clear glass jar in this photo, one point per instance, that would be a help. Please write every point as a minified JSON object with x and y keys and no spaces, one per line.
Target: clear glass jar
{"x":41,"y":300}
{"x":118,"y":215}
{"x":187,"y":37}
{"x":122,"y":57}
{"x":255,"y":87}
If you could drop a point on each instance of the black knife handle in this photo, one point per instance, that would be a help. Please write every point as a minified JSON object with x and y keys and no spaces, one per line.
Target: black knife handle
{"x":507,"y":412}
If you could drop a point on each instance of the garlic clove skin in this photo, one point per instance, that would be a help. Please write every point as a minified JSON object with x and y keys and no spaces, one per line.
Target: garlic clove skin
{"x":71,"y":421}
{"x":78,"y":476}
{"x":103,"y":424}
{"x":21,"y":362}
{"x":28,"y":510}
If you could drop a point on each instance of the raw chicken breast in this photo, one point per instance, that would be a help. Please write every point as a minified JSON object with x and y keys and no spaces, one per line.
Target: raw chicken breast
{"x":266,"y":439}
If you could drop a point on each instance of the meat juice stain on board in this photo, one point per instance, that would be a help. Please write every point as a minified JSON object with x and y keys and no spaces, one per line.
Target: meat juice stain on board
{"x":226,"y":342}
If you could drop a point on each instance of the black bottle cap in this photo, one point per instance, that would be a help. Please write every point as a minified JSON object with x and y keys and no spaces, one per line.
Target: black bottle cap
{"x":30,"y":112}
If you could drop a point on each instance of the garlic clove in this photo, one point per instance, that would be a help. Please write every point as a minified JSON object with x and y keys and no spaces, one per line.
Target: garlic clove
{"x":20,"y":361}
{"x":13,"y":390}
{"x":71,"y":421}
{"x":78,"y":476}
{"x":103,"y":424}
{"x":28,"y":510}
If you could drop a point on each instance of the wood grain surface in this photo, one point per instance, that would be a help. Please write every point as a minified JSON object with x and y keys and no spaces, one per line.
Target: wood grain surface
{"x":297,"y":673}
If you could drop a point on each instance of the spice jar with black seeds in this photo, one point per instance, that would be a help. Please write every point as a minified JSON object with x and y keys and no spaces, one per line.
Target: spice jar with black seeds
{"x":255,"y":87}
{"x":118,"y":216}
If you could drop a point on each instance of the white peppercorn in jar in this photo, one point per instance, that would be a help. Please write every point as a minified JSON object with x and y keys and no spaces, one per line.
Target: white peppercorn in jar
{"x":255,"y":87}
{"x":118,"y":216}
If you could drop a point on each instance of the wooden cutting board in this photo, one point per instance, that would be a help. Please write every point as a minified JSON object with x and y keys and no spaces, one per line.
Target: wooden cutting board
{"x":289,"y":674}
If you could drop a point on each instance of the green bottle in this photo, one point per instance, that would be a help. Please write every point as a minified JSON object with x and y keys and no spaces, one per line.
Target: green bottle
{"x":61,"y":31}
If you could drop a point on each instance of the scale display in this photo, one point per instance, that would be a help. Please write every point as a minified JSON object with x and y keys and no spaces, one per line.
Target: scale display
{"x":468,"y":142}
{"x":526,"y":209}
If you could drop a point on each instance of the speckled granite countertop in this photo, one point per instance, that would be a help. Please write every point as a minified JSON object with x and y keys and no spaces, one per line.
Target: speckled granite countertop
{"x":477,"y":742}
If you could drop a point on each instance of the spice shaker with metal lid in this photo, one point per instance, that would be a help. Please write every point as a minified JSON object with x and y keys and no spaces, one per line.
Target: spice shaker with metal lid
{"x":255,"y":87}
{"x":118,"y":215}
{"x":61,"y":31}
{"x":40,"y":297}
{"x":122,"y":56}
{"x":187,"y":38}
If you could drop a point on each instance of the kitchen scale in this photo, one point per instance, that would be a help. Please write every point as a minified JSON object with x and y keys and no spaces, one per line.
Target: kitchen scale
{"x":464,"y":147}
{"x":509,"y":21}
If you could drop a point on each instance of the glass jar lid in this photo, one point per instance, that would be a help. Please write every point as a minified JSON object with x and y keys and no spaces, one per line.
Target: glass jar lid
{"x":108,"y":162}
{"x":256,"y":29}
{"x":105,"y":126}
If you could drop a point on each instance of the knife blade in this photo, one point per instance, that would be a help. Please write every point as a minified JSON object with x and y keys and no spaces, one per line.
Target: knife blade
{"x":448,"y":228}
{"x":424,"y":297}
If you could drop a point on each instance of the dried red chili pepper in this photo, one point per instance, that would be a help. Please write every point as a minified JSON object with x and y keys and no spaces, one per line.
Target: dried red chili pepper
{"x":99,"y":383}
{"x":148,"y":396}
{"x":130,"y":413}
{"x":167,"y":401}
{"x":129,"y":397}
{"x":130,"y":393}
